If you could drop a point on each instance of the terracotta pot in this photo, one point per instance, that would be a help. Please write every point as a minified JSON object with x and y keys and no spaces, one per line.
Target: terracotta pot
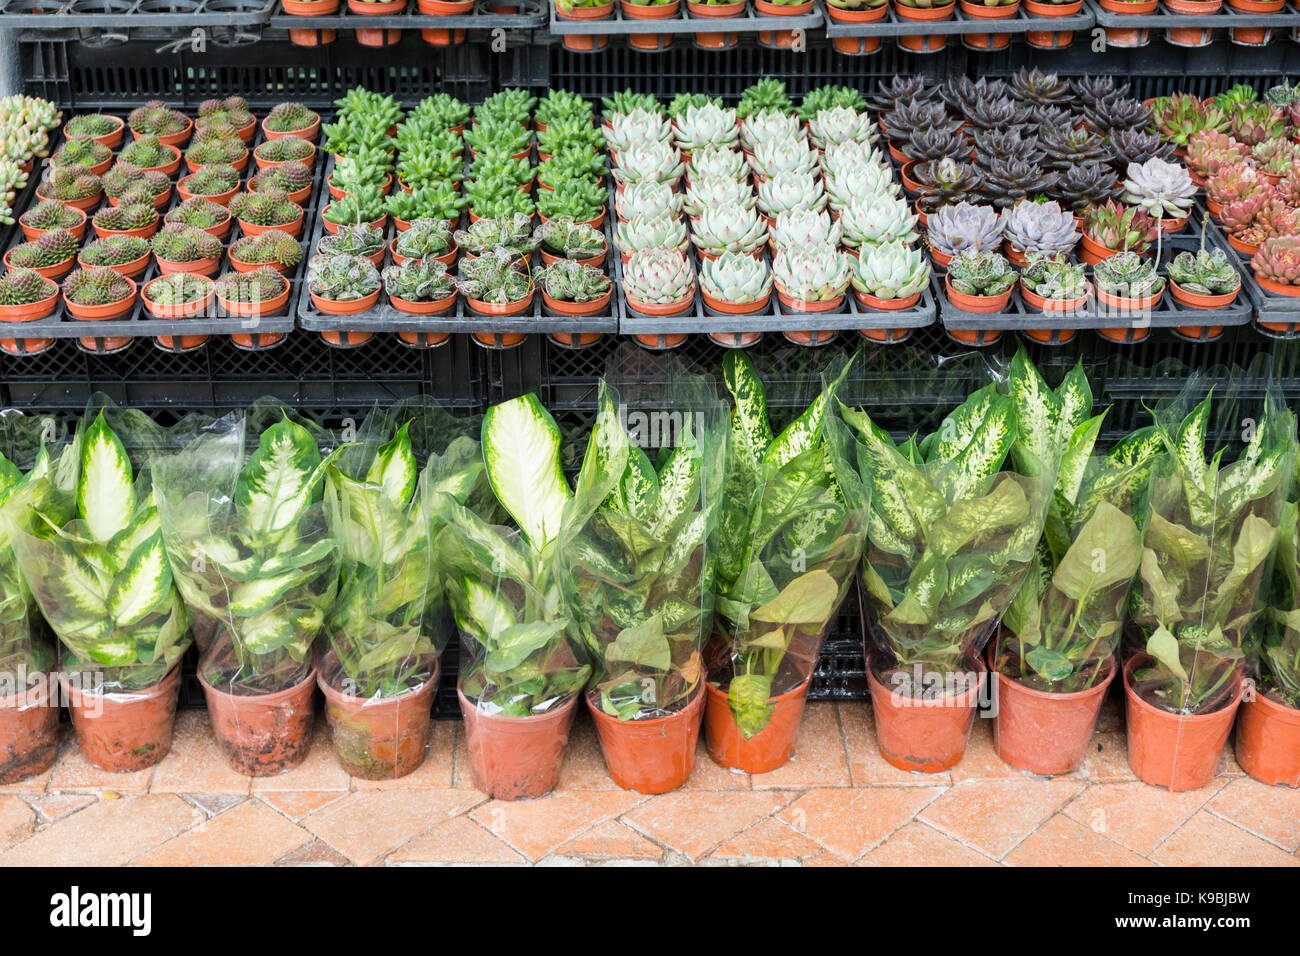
{"x":1177,"y":751}
{"x":976,"y":303}
{"x":262,"y":734}
{"x":29,"y":731}
{"x":199,"y":267}
{"x":112,"y":140}
{"x":1126,"y":304}
{"x":1043,"y":732}
{"x":987,"y":41}
{"x":308,"y":133}
{"x":1092,"y":251}
{"x":186,"y":310}
{"x":381,"y":738}
{"x":678,"y":307}
{"x":583,"y":42}
{"x":436,"y":307}
{"x":1245,"y":248}
{"x":249,"y":310}
{"x":351,"y":307}
{"x":768,"y":749}
{"x":312,"y":37}
{"x":127,"y":730}
{"x":735,"y":340}
{"x":1194,"y":300}
{"x":940,"y":259}
{"x":550,"y":258}
{"x":513,"y":758}
{"x":292,"y":228}
{"x":858,"y":46}
{"x":886,"y":305}
{"x":649,"y":42}
{"x":923,"y":43}
{"x":84,"y":204}
{"x":718,"y":11}
{"x":30,"y":312}
{"x":1041,"y":304}
{"x":928,"y":735}
{"x":650,"y":756}
{"x":1048,"y":39}
{"x":1126,"y":336}
{"x":56,"y":271}
{"x":1268,"y":741}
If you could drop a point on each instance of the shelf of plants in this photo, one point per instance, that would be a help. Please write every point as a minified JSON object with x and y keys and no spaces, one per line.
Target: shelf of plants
{"x":52,"y":15}
{"x":380,"y":23}
{"x":1192,"y":23}
{"x":923,"y":28}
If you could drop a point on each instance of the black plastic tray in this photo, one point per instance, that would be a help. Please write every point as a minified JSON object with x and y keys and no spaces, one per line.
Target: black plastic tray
{"x":1269,"y":306}
{"x":479,"y":18}
{"x":1166,"y":314}
{"x":892,"y":25}
{"x":1224,"y":18}
{"x":750,"y":21}
{"x":126,"y":14}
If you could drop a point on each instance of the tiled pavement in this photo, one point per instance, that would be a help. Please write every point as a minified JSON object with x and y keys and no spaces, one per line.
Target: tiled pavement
{"x":836,"y":802}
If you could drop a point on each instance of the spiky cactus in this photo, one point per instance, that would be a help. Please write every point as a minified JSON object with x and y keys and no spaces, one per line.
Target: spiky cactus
{"x":290,"y":149}
{"x":97,"y":285}
{"x":52,"y":214}
{"x":70,"y":183}
{"x":156,"y":118}
{"x":125,"y":178}
{"x":23,"y":287}
{"x":178,"y":288}
{"x":213,"y":149}
{"x":48,"y":249}
{"x":266,"y":208}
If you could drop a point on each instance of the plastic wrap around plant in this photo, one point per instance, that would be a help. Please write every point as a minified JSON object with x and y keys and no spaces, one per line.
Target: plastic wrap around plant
{"x":640,"y":570}
{"x":1275,"y":659}
{"x":25,"y":653}
{"x":951,"y":534}
{"x":245,"y":532}
{"x":788,"y":544}
{"x":89,"y":544}
{"x":1209,"y":533}
{"x":389,"y":622}
{"x":521,"y":652}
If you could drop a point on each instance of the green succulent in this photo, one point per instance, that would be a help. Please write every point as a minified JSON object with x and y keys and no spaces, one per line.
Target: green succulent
{"x":114,"y":250}
{"x":80,"y":151}
{"x":1054,"y":277}
{"x":147,"y":152}
{"x":368,"y":109}
{"x":198,"y":212}
{"x":210,"y":150}
{"x":124,"y":178}
{"x":980,"y":272}
{"x":342,"y":278}
{"x":489,"y":201}
{"x":508,"y":105}
{"x":570,"y":239}
{"x":68,"y":183}
{"x":559,"y":105}
{"x":1204,"y":272}
{"x":267,"y":248}
{"x":493,"y":278}
{"x":438,"y":157}
{"x":432,"y":201}
{"x":358,"y":239}
{"x":500,"y":135}
{"x":287,"y":177}
{"x":178,"y":288}
{"x":425,"y":239}
{"x":126,"y":217}
{"x":289,"y":118}
{"x":832,"y":96}
{"x":513,"y":233}
{"x":569,"y":132}
{"x":679,"y":103}
{"x":287,"y":149}
{"x":768,"y":94}
{"x":232,"y":111}
{"x":576,"y":198}
{"x":628,"y":101}
{"x":156,"y":118}
{"x":354,"y":208}
{"x":213,"y":180}
{"x":185,"y":244}
{"x":48,"y":249}
{"x":52,"y":214}
{"x":91,"y":124}
{"x":96,"y":285}
{"x":419,"y":280}
{"x":570,"y":281}
{"x":441,"y":111}
{"x":24,"y":287}
{"x":1127,"y":274}
{"x":266,"y":208}
{"x":260,"y":285}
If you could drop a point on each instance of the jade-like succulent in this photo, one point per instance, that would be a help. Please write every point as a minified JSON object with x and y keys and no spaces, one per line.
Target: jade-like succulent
{"x":662,"y":231}
{"x":360,"y":239}
{"x":839,"y":158}
{"x":847,"y":186}
{"x":891,"y":270}
{"x":736,"y":278}
{"x":790,"y":191}
{"x":1044,"y":228}
{"x":801,"y":227}
{"x":658,"y":276}
{"x":813,"y":273}
{"x":650,"y":199}
{"x":954,"y":229}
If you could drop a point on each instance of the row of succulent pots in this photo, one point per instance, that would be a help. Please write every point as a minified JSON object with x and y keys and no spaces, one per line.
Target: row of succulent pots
{"x":377,"y":37}
{"x":1187,"y":36}
{"x":146,"y":214}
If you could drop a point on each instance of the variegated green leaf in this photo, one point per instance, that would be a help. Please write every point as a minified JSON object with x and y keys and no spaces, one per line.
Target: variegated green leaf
{"x":521,"y":448}
{"x":106,"y":489}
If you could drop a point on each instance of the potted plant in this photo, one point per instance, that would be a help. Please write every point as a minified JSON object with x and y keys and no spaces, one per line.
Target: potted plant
{"x":252,"y":294}
{"x":201,"y":213}
{"x":243,"y":502}
{"x":662,"y":230}
{"x":133,"y":219}
{"x":83,"y":153}
{"x":425,"y":239}
{"x":293,"y":179}
{"x":1054,"y":285}
{"x":584,"y":10}
{"x":1127,"y":37}
{"x":1202,"y":280}
{"x":811,"y":278}
{"x":432,"y":201}
{"x":652,"y":538}
{"x":1277,"y":265}
{"x":716,"y":9}
{"x":51,"y":254}
{"x":735,"y":283}
{"x":1128,"y":283}
{"x":291,"y":119}
{"x":126,"y":179}
{"x":73,"y":186}
{"x":306,"y":37}
{"x":217,"y":183}
{"x":493,"y":285}
{"x":150,"y":153}
{"x":522,"y":659}
{"x":125,"y":255}
{"x":272,"y":248}
{"x":286,"y":149}
{"x":216,"y":147}
{"x":857,"y":11}
{"x":886,"y":278}
{"x":185,"y":249}
{"x":780,"y":500}
{"x":50,"y":215}
{"x":918,"y":568}
{"x":923,"y":10}
{"x":582,"y":200}
{"x":1209,"y":532}
{"x":260,"y":211}
{"x":1164,"y":190}
{"x":1053,"y":659}
{"x":377,"y":8}
{"x":979,"y":281}
{"x":952,"y":230}
{"x":156,"y":118}
{"x":343,"y":284}
{"x":101,"y":127}
{"x":1044,"y":228}
{"x":514,"y":234}
{"x":733,"y":228}
{"x":659,"y":281}
{"x":361,"y":239}
{"x":232,"y":112}
{"x":92,"y":554}
{"x":1110,"y":228}
{"x":179,"y":295}
{"x":97,"y":293}
{"x":562,"y":238}
{"x":1053,"y":9}
{"x":649,"y":10}
{"x":389,"y":622}
{"x":25,"y":296}
{"x":572,"y":288}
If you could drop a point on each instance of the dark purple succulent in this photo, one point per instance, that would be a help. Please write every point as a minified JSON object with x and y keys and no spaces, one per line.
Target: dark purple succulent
{"x":1084,"y":186}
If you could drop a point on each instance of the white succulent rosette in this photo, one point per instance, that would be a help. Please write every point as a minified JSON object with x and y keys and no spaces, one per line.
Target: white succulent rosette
{"x":736,"y":278}
{"x":656,"y":162}
{"x":722,"y":229}
{"x":658,"y":276}
{"x":841,"y":125}
{"x":1041,"y":227}
{"x":648,"y":199}
{"x":643,"y":232}
{"x":711,"y":191}
{"x":890,"y":270}
{"x":814,"y":273}
{"x":1163,"y":189}
{"x":839,"y":158}
{"x":769,"y":125}
{"x":636,"y":128}
{"x":847,"y":186}
{"x":783,"y":156}
{"x":800,"y":227}
{"x":707,"y":125}
{"x":711,"y":161}
{"x":877,"y":219}
{"x":790,"y":191}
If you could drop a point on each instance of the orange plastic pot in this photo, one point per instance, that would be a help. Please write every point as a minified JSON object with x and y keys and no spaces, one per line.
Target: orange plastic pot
{"x":292,"y":228}
{"x":1051,"y":39}
{"x":1041,"y":304}
{"x":649,"y":42}
{"x":516,"y":758}
{"x":650,"y":756}
{"x":1092,"y":251}
{"x":1125,"y":303}
{"x":56,"y":271}
{"x":585,"y":42}
{"x":924,"y":43}
{"x":313,"y":37}
{"x":1197,"y":301}
{"x":93,"y":313}
{"x":661,"y":309}
{"x":780,"y":39}
{"x":199,"y":267}
{"x":32,"y":233}
{"x":351,"y":307}
{"x":112,"y":140}
{"x":858,"y":46}
{"x":170,"y":167}
{"x":262,"y":734}
{"x":221,"y":199}
{"x":768,"y":749}
{"x":1245,"y":248}
{"x":435,"y":307}
{"x":807,"y":305}
{"x":1176,"y":751}
{"x":308,"y":133}
{"x":976,"y":303}
{"x":29,"y":732}
{"x":886,"y":305}
{"x":142,"y":232}
{"x":84,"y":204}
{"x":1268,"y":741}
{"x":439,"y":36}
{"x":380,"y":738}
{"x":123,"y":731}
{"x":716,"y":11}
{"x":241,"y":265}
{"x":735,"y":308}
{"x":940,"y":259}
{"x":184,"y":310}
{"x":1277,"y":288}
{"x":987,"y":41}
{"x":926,"y":735}
{"x":594,"y":307}
{"x":550,"y":258}
{"x":1046,"y":733}
{"x":250,"y":310}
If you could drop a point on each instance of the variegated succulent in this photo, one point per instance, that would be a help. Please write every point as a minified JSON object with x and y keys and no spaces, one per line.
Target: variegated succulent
{"x":641,"y":232}
{"x":736,"y":278}
{"x":648,"y":198}
{"x":891,"y":270}
{"x":1040,"y":227}
{"x":729,"y":229}
{"x":637,"y":128}
{"x":717,"y":191}
{"x":717,"y":161}
{"x":790,"y":191}
{"x":707,"y":125}
{"x":813,"y":273}
{"x":799,"y":227}
{"x":658,"y":276}
{"x":657,"y":162}
{"x":783,"y":156}
{"x":841,"y":125}
{"x":876,"y":219}
{"x":954,"y":229}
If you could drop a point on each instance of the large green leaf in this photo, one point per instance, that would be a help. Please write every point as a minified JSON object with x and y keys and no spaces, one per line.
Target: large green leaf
{"x":280,"y":479}
{"x":521,"y":448}
{"x":643,"y":645}
{"x":808,"y":599}
{"x":106,"y":491}
{"x":748,"y":698}
{"x":394,"y":469}
{"x":1106,"y":551}
{"x":143,"y":583}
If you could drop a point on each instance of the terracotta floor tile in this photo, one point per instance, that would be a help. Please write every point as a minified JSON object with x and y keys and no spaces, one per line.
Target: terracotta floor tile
{"x":850,"y":822}
{"x":315,"y":853}
{"x":74,"y":772}
{"x":1062,"y":841}
{"x":1270,"y":812}
{"x":56,"y":806}
{"x":819,"y":759}
{"x":1207,"y":840}
{"x":435,"y":773}
{"x":1106,"y":758}
{"x":213,"y":803}
{"x":249,"y":835}
{"x":866,"y":765}
{"x":919,"y":845}
{"x":995,"y":815}
{"x":767,"y":841}
{"x":611,"y":840}
{"x":296,"y":804}
{"x":584,"y":765}
{"x":695,"y":822}
{"x":459,"y":840}
{"x":1134,"y":814}
{"x":370,"y":823}
{"x":195,"y":763}
{"x":537,"y":827}
{"x":108,"y":833}
{"x":708,"y":775}
{"x":1228,"y":766}
{"x":319,"y":771}
{"x":981,"y":761}
{"x":17,"y":820}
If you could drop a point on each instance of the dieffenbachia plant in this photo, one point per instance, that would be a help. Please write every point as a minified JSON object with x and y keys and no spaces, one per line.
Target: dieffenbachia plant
{"x":1065,"y":621}
{"x":90,"y":547}
{"x":246,"y":538}
{"x":388,"y":624}
{"x":521,"y":652}
{"x":640,"y":571}
{"x":23,"y":654}
{"x":951,"y":534}
{"x":1277,"y":655}
{"x":788,"y":543}
{"x":1209,"y":533}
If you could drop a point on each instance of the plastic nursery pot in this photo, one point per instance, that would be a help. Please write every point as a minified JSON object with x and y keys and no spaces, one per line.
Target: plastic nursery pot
{"x":649,"y":42}
{"x":987,"y":41}
{"x":448,"y":258}
{"x":56,"y":271}
{"x":249,"y":310}
{"x":199,"y":267}
{"x":1092,"y":252}
{"x":1277,"y":288}
{"x":1268,"y":740}
{"x":31,"y":233}
{"x":130,"y":269}
{"x":380,"y":738}
{"x":550,"y":258}
{"x":111,"y":310}
{"x":808,"y":305}
{"x":240,"y":265}
{"x":768,"y":749}
{"x":650,"y":756}
{"x":29,"y":732}
{"x":1042,"y":304}
{"x":313,"y":37}
{"x":262,"y":734}
{"x":780,"y":39}
{"x":336,"y":193}
{"x":143,"y":232}
{"x":516,"y":758}
{"x":436,"y":307}
{"x":594,"y":307}
{"x":1197,"y":301}
{"x":724,"y":307}
{"x":221,"y":199}
{"x":1171,"y":226}
{"x":443,"y":8}
{"x":85,"y":204}
{"x":1123,"y":303}
{"x":170,"y":167}
{"x":664,"y":309}
{"x":1176,"y":751}
{"x":1047,"y":733}
{"x":926,"y":735}
{"x":858,"y":46}
{"x":350,"y":307}
{"x":1245,"y":248}
{"x":976,"y":303}
{"x":114,"y":139}
{"x":1049,"y":39}
{"x":716,"y":11}
{"x":583,"y":42}
{"x":184,"y":310}
{"x":501,"y":339}
{"x":124,"y":730}
{"x":292,"y":228}
{"x":1191,"y":36}
{"x":924,"y":43}
{"x":309,"y":132}
{"x":1253,"y":36}
{"x":309,"y":162}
